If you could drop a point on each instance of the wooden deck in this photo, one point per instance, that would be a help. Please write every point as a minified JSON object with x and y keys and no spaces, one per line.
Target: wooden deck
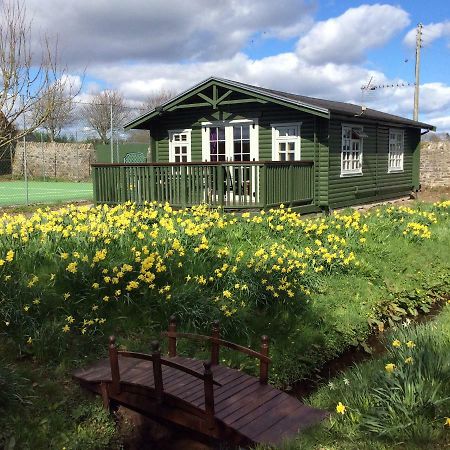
{"x":217,"y":401}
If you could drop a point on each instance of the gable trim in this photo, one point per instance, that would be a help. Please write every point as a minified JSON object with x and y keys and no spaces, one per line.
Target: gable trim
{"x":167,"y":106}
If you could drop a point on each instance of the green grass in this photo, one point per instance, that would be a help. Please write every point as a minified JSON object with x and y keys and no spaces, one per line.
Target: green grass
{"x":51,"y":412}
{"x":405,"y":409}
{"x":14,"y":192}
{"x":396,"y":276}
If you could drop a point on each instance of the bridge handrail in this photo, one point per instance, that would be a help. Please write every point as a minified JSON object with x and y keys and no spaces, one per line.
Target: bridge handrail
{"x":217,"y":342}
{"x":221,"y":342}
{"x":166,"y":362}
{"x":157,"y":363}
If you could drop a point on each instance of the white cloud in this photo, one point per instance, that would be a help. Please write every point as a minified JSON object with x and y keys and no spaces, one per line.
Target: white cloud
{"x":346,"y":38}
{"x":92,"y":32}
{"x":430,"y":33}
{"x":286,"y":72}
{"x":141,"y":47}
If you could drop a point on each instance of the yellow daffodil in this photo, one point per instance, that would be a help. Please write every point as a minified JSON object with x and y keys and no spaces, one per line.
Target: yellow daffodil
{"x":341,"y":408}
{"x":390,"y":367}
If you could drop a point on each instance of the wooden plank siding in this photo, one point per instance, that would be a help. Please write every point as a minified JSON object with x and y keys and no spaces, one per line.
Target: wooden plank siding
{"x":375,"y":183}
{"x":266,"y":114}
{"x":321,"y":141}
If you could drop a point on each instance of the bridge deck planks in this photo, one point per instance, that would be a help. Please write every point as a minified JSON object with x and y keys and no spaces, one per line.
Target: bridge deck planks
{"x":258,"y":412}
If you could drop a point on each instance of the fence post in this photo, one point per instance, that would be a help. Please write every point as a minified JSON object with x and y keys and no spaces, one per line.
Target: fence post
{"x":220,"y":183}
{"x":43,"y":157}
{"x":183,"y":186}
{"x":263,"y":186}
{"x":291,"y":184}
{"x":209,"y":394}
{"x":152,"y":170}
{"x":114,"y":363}
{"x":214,"y":344}
{"x":172,"y":339}
{"x":157,"y":372}
{"x":264,"y":365}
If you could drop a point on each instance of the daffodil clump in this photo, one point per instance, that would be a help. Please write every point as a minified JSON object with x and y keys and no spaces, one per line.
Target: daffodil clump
{"x":88,"y":270}
{"x":403,"y":395}
{"x":413,"y":223}
{"x":85,"y":265}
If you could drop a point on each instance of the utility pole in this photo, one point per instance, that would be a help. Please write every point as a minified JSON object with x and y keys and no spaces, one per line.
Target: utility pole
{"x":416,"y":90}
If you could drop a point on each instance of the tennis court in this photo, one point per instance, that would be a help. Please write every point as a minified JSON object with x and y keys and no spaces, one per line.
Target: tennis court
{"x":15,"y":192}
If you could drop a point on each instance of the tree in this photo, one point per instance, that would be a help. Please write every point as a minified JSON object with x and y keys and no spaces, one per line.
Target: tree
{"x":25,"y":76}
{"x":98,"y":113}
{"x":157,"y":98}
{"x":59,"y":103}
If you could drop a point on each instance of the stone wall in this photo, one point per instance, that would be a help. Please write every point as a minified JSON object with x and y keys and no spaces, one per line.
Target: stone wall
{"x":435,"y":164}
{"x":64,"y":161}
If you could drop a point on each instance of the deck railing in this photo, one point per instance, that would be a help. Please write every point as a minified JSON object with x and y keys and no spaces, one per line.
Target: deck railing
{"x":232,"y":185}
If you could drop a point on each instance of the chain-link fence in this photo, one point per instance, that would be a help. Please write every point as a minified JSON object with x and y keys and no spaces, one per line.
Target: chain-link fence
{"x":53,"y":164}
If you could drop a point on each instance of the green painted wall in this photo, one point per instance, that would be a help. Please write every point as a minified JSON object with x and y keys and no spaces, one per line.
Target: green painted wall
{"x":375,"y":183}
{"x":266,"y":114}
{"x":320,"y":142}
{"x":103,"y":151}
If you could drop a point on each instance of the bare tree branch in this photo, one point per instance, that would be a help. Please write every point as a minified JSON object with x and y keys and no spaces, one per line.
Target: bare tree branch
{"x":157,"y":98}
{"x":25,"y":78}
{"x":58,"y":101}
{"x":98,"y":113}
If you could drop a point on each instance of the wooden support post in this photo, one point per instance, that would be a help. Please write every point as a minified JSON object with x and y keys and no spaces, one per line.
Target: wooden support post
{"x":264,"y":365}
{"x":183,"y":187}
{"x":214,"y":344}
{"x":220,"y":184}
{"x":263,"y":186}
{"x":114,"y":363}
{"x":105,"y":396}
{"x":291,"y":184}
{"x":209,"y":394}
{"x":172,"y":339}
{"x":157,"y":371}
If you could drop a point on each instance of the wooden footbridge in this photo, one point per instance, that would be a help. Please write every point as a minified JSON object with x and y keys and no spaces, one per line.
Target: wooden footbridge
{"x":216,"y":401}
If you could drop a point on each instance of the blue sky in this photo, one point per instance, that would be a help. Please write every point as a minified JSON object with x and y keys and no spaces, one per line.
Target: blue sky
{"x":395,"y":58}
{"x":321,"y":48}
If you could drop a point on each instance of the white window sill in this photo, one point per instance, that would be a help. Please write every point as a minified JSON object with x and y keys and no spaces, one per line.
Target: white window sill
{"x":351,"y":174}
{"x":395,"y":170}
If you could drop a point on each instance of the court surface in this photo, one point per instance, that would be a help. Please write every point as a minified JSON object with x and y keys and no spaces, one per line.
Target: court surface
{"x":15,"y":192}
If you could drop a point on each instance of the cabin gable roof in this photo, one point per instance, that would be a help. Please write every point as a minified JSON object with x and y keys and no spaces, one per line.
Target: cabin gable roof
{"x":315,"y":106}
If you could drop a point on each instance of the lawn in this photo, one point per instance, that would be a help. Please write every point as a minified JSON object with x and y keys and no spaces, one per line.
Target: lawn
{"x":316,"y":286}
{"x":14,"y":192}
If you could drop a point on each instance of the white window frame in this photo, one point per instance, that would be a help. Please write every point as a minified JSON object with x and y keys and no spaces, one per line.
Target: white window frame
{"x":358,"y":171}
{"x":229,"y":149}
{"x":277,"y":139}
{"x":401,"y":152}
{"x":173,"y":144}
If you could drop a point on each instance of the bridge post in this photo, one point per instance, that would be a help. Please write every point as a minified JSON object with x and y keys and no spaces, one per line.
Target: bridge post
{"x":172,"y":337}
{"x":214,"y":344}
{"x":264,"y":365}
{"x":114,"y":363}
{"x":157,"y":371}
{"x":209,"y":393}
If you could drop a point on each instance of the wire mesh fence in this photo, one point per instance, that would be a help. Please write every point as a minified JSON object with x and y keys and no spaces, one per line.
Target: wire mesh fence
{"x":53,"y":164}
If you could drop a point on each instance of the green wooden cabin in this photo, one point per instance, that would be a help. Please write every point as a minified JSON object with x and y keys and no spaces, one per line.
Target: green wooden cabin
{"x":237,"y":145}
